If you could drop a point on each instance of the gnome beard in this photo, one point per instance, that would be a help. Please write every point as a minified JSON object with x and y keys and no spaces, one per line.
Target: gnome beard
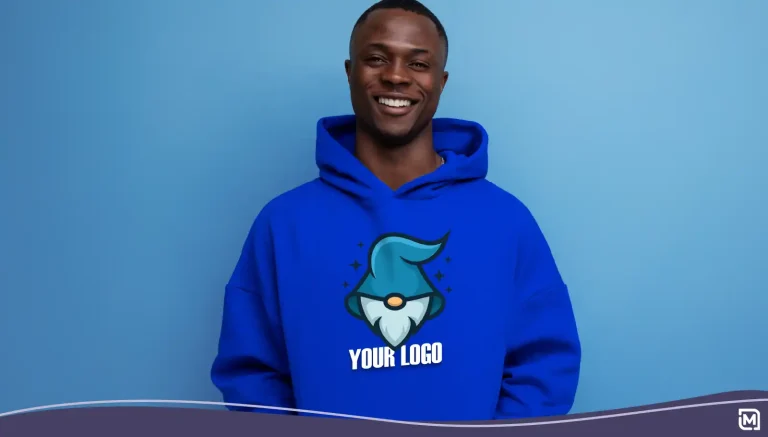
{"x":395,"y":324}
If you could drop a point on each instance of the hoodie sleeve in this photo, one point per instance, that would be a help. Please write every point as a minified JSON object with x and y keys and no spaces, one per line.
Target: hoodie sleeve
{"x":541,"y":369}
{"x":251,"y":366}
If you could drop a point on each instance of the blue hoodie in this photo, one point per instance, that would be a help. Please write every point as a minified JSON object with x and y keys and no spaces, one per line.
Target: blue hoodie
{"x":439,"y":301}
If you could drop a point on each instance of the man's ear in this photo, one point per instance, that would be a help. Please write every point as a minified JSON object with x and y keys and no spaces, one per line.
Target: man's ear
{"x":445,"y":80}
{"x":348,"y":69}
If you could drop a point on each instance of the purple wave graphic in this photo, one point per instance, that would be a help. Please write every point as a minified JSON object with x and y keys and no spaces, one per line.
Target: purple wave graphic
{"x":723,"y":414}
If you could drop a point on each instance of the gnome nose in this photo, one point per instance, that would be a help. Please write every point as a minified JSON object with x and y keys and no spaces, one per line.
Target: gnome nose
{"x":394,"y":302}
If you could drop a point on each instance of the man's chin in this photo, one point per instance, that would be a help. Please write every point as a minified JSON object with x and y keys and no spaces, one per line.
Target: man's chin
{"x":395,"y":136}
{"x":394,"y":131}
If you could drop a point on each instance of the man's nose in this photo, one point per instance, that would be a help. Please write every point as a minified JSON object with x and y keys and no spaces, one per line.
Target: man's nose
{"x":396,"y":73}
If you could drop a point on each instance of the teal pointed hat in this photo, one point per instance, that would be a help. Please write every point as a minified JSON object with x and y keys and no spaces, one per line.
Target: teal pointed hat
{"x":395,"y":268}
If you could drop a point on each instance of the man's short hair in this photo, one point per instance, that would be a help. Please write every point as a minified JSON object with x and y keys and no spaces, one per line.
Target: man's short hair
{"x":414,"y":6}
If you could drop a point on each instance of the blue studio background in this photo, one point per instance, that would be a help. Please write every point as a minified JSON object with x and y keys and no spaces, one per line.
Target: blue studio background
{"x":138,"y":140}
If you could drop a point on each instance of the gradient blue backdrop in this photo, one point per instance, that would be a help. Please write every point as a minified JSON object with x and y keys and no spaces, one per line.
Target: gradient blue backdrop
{"x":140,"y":138}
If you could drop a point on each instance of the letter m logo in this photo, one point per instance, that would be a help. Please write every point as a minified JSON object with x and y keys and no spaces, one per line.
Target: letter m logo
{"x":749,"y":419}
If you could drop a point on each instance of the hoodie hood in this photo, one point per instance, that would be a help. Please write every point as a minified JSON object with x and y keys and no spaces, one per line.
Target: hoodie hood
{"x":463,"y":144}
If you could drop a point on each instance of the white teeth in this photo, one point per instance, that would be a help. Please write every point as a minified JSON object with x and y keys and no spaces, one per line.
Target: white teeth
{"x":395,"y":103}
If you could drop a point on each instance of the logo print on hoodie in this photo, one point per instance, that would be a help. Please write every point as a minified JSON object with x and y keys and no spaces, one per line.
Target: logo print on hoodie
{"x":395,"y":297}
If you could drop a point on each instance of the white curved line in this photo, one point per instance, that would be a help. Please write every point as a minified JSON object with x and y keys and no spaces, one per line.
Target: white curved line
{"x":374,"y":419}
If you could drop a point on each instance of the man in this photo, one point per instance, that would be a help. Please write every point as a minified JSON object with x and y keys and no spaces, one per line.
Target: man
{"x":401,"y":283}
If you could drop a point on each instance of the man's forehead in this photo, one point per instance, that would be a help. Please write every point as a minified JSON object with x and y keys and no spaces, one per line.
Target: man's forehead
{"x":396,"y":26}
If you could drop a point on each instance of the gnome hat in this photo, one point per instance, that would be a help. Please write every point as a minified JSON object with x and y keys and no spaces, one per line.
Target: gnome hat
{"x":395,"y":268}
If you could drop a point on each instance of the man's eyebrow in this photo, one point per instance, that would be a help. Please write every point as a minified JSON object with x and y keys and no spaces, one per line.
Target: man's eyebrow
{"x":385,"y":48}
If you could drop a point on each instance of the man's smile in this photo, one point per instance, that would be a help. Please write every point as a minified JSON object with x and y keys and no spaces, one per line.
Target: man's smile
{"x":394,"y":105}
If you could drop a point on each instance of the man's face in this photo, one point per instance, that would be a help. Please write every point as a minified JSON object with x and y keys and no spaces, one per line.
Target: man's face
{"x":396,"y":74}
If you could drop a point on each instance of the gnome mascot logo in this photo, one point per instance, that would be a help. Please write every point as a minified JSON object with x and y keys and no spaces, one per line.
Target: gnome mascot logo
{"x":395,"y":297}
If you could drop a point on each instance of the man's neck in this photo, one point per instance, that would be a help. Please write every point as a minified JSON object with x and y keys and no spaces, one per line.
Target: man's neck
{"x":396,"y":166}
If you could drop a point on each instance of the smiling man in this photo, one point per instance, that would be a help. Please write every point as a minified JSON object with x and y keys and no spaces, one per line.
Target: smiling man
{"x":400,"y":283}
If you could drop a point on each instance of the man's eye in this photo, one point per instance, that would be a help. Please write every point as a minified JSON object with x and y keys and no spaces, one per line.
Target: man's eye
{"x":375,"y":59}
{"x":420,"y":65}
